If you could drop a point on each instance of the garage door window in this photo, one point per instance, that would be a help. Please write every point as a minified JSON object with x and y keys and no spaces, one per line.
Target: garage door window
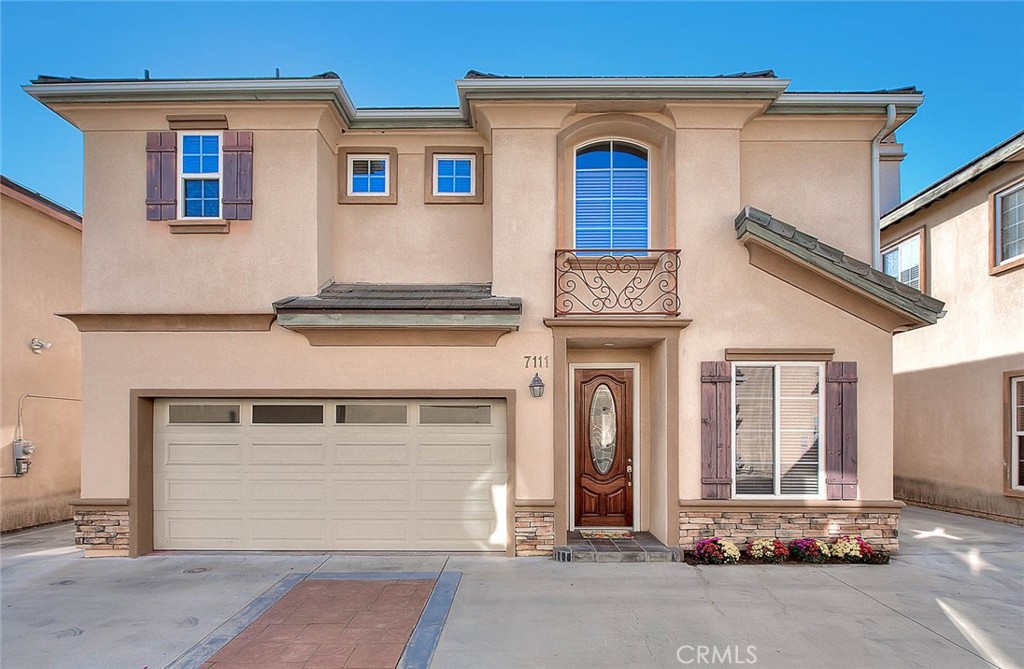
{"x":185,"y":414}
{"x":371,"y":414}
{"x":455,"y":414}
{"x":288,"y":414}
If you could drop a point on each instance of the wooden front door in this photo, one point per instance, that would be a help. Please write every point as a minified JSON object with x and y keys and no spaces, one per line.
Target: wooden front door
{"x":603,"y":447}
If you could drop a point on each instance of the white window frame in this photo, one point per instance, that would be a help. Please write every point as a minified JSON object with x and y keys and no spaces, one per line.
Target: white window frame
{"x":898,"y":248}
{"x":998,"y":223}
{"x":776,"y":441}
{"x":624,"y":140}
{"x":1016,"y":432}
{"x":219,"y":176}
{"x":383,"y":157}
{"x":471,"y":157}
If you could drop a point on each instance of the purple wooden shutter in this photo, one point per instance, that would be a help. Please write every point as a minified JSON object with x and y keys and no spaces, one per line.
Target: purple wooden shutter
{"x":841,"y":430}
{"x":716,"y":430}
{"x":161,"y":176}
{"x":237,"y":196}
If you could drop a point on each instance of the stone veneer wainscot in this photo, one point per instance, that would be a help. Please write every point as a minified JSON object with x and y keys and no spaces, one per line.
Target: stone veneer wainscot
{"x":102,"y":532}
{"x":879,"y":527}
{"x":534,"y":533}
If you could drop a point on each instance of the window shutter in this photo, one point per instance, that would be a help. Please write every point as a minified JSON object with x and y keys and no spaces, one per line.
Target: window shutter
{"x":716,"y":429}
{"x":237,"y":198}
{"x":161,"y":176}
{"x":841,"y":430}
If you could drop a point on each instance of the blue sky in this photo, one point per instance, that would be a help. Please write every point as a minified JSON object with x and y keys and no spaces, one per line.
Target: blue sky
{"x":966,"y":57}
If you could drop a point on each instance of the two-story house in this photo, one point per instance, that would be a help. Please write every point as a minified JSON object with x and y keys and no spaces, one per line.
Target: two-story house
{"x":959,"y":386}
{"x":558,"y":305}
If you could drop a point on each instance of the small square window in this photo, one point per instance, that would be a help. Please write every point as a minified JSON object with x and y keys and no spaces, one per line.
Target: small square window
{"x":368,"y":175}
{"x":454,"y":175}
{"x":199,"y":175}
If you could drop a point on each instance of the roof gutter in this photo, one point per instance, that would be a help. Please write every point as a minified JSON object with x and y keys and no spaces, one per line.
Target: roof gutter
{"x":876,"y":186}
{"x":632,"y":88}
{"x":197,"y":91}
{"x":845,"y":103}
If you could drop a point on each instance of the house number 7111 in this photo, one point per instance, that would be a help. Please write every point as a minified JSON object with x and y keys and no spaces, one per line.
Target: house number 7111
{"x":536,"y":361}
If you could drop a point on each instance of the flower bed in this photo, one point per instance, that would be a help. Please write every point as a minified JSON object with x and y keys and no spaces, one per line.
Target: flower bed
{"x":808,"y":550}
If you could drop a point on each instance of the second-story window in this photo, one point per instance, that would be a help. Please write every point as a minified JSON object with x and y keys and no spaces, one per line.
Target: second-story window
{"x":1010,"y":224}
{"x":612,"y":207}
{"x":200,"y":175}
{"x":454,"y":174}
{"x":368,"y":175}
{"x":902,"y":261}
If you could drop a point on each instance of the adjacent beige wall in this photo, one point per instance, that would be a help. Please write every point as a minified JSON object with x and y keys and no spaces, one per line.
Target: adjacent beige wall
{"x":40,"y":273}
{"x":812,"y":174}
{"x":949,"y":429}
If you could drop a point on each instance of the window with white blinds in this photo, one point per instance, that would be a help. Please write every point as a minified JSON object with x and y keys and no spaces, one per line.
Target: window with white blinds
{"x":777,"y":427}
{"x":903,"y":261}
{"x":612,"y":204}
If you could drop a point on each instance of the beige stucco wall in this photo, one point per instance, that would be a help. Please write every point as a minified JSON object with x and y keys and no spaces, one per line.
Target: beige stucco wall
{"x":40,"y":273}
{"x":949,"y":391}
{"x":793,"y":168}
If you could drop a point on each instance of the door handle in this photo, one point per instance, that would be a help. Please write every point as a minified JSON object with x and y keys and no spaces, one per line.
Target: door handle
{"x":629,"y":473}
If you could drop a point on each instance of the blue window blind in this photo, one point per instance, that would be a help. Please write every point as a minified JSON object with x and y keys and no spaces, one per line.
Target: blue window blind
{"x":370,"y":175}
{"x":200,"y":156}
{"x":611,"y":196}
{"x":455,"y":176}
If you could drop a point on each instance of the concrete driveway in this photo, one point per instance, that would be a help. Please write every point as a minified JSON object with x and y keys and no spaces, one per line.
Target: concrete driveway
{"x":953,"y":598}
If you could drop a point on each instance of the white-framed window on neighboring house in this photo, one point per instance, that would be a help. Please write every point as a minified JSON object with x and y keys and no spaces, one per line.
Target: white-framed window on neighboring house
{"x":612,"y":197}
{"x":1017,"y":433}
{"x":778,"y":449}
{"x":1009,"y":224}
{"x":199,"y":174}
{"x":368,"y":175}
{"x":455,"y":174}
{"x":902,"y":261}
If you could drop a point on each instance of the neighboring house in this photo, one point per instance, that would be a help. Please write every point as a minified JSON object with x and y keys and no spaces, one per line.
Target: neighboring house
{"x":959,"y":386}
{"x":311,"y":326}
{"x":40,"y":355}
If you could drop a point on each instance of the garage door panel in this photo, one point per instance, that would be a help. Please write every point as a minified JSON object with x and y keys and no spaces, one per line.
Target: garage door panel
{"x":288,"y":453}
{"x":353,"y":493}
{"x":365,"y":453}
{"x":347,"y":486}
{"x":296,"y":532}
{"x":185,"y":492}
{"x":452,"y":453}
{"x":180,"y":451}
{"x":285,"y":491}
{"x":203,"y":531}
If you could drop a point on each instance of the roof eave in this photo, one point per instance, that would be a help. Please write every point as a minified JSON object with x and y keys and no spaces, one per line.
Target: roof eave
{"x":845,"y":103}
{"x":953,"y":181}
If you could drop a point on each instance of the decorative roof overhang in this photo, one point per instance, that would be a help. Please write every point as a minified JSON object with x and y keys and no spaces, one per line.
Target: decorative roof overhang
{"x":357,"y":314}
{"x":830,"y":275}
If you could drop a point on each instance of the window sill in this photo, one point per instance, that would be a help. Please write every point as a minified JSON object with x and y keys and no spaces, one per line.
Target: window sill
{"x":202,"y":226}
{"x":1016,"y":263}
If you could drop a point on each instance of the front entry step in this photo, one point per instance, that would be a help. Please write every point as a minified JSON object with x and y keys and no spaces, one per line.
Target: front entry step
{"x":640,"y":547}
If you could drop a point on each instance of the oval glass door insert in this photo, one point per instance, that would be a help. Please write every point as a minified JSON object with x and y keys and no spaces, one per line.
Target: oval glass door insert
{"x":602,"y":429}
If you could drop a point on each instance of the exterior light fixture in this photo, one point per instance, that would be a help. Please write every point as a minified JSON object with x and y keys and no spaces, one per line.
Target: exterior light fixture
{"x":537,"y":386}
{"x":38,"y":345}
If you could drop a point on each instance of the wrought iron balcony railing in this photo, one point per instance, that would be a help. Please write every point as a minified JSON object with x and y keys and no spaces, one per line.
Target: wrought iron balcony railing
{"x":617,"y":282}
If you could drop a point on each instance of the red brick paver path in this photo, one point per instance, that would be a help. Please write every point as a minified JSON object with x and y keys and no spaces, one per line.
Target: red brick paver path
{"x":330,"y":624}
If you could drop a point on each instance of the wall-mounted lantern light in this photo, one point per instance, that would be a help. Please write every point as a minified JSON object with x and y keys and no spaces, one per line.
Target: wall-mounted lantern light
{"x":537,"y":386}
{"x":38,"y":345}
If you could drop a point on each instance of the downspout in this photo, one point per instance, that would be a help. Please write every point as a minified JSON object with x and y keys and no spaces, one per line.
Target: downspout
{"x":876,"y":187}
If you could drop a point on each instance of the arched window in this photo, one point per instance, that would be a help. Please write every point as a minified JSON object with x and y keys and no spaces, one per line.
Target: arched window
{"x":612,"y":196}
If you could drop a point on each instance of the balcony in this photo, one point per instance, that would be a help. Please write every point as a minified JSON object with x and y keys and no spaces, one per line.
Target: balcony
{"x":617,"y":282}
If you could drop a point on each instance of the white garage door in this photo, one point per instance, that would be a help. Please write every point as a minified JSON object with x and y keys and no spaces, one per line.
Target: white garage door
{"x":329,"y":475}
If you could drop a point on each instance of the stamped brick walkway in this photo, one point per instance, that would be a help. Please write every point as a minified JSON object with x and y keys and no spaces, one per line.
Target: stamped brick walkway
{"x":330,"y":624}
